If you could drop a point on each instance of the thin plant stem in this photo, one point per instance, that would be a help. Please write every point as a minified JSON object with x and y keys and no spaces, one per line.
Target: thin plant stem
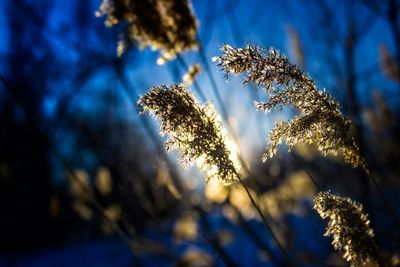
{"x":213,"y":83}
{"x":254,"y":236}
{"x":207,"y":234}
{"x":221,"y":253}
{"x":213,"y":241}
{"x":312,"y":178}
{"x":381,"y":194}
{"x":284,"y":254}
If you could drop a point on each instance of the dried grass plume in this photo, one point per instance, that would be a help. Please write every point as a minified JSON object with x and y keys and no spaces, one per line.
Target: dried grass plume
{"x":192,"y":129}
{"x":320,"y":121}
{"x":168,"y":26}
{"x":349,"y":227}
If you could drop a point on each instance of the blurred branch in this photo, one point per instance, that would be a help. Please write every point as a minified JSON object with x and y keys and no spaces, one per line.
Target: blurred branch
{"x":389,"y":11}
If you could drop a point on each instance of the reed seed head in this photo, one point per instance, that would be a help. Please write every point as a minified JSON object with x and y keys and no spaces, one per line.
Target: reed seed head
{"x":192,"y":129}
{"x":320,"y":121}
{"x":349,"y":227}
{"x":165,"y":25}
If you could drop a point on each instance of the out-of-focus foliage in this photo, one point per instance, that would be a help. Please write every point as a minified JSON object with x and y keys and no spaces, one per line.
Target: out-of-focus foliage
{"x":195,"y":258}
{"x":296,"y":46}
{"x":79,"y":184}
{"x":239,"y":199}
{"x":215,"y":191}
{"x":185,"y":228}
{"x":168,"y":26}
{"x":104,"y":181}
{"x":288,"y":195}
{"x":191,"y":74}
{"x":388,"y":64}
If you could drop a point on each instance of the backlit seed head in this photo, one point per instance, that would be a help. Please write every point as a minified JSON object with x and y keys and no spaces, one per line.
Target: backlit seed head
{"x":349,"y":227}
{"x":320,"y":121}
{"x":192,"y":129}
